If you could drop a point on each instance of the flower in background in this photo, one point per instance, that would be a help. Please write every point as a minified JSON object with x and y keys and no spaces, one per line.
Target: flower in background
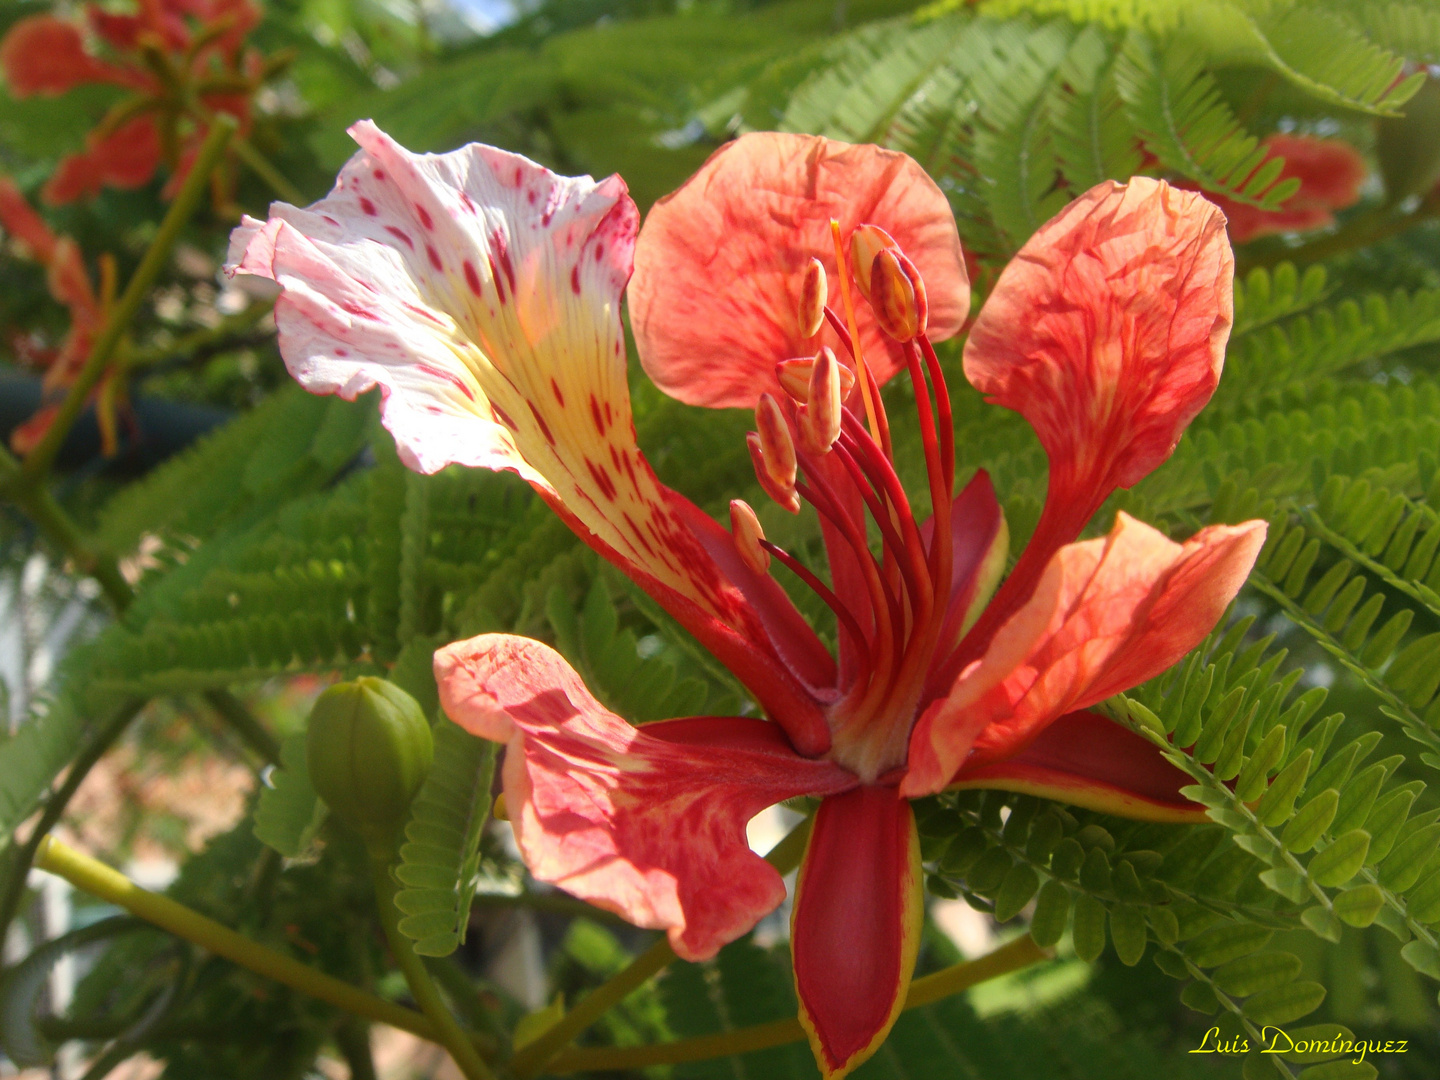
{"x":1330,"y":172}
{"x":69,"y":283}
{"x":792,"y":275}
{"x":182,"y":62}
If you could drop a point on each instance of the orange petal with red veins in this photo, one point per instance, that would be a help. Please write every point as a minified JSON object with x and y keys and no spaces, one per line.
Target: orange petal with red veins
{"x":1106,"y":615}
{"x":646,"y":822}
{"x":721,"y":262}
{"x":1088,"y":760}
{"x":1107,"y":332}
{"x":855,"y":927}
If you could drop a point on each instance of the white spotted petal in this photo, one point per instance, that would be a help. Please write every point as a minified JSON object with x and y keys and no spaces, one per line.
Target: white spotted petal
{"x":481,"y":292}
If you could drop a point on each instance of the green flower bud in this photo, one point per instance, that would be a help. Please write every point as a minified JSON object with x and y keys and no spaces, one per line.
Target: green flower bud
{"x":368,"y":750}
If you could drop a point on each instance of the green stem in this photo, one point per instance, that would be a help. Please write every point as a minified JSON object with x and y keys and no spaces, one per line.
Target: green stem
{"x":427,"y":994}
{"x":924,"y":991}
{"x":352,"y":1039}
{"x":99,"y":880}
{"x":22,"y":858}
{"x":260,"y":165}
{"x":38,"y":461}
{"x":533,"y":1056}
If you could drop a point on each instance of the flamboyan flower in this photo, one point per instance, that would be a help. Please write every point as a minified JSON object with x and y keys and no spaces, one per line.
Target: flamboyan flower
{"x":481,"y":293}
{"x":70,"y":284}
{"x":1330,"y":172}
{"x":183,"y":61}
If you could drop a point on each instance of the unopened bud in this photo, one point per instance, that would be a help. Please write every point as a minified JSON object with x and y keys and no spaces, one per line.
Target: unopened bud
{"x":789,"y":498}
{"x":897,"y":296}
{"x":820,"y":418}
{"x":865,"y":243}
{"x":775,"y":441}
{"x":745,"y":527}
{"x":368,"y":749}
{"x":794,"y":377}
{"x":814,"y":291}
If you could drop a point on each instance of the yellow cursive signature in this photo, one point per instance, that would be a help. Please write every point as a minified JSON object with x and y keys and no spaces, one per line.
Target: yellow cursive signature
{"x":1278,"y":1041}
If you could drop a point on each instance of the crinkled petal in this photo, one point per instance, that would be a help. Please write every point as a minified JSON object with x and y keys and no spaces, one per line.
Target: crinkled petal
{"x":1106,"y":615}
{"x":1088,"y":760}
{"x":855,"y":927}
{"x":646,"y":822}
{"x":481,"y":292}
{"x":1107,"y":332}
{"x":718,"y":268}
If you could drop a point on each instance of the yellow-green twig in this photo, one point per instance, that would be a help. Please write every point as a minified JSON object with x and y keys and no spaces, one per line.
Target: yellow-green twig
{"x":99,"y":880}
{"x":448,"y":1033}
{"x":923,"y":991}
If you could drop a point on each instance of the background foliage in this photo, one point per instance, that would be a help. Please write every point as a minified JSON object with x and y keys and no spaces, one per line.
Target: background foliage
{"x":288,"y":543}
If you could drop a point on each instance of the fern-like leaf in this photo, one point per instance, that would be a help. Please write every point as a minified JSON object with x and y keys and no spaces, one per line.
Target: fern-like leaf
{"x":1177,"y":109}
{"x":441,"y":853}
{"x":289,"y":814}
{"x":1093,"y":138}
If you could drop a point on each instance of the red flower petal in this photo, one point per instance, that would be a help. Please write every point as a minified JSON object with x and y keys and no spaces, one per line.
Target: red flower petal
{"x":22,"y":222}
{"x":125,"y":158}
{"x":720,"y":262}
{"x":1330,"y":173}
{"x":1107,"y":615}
{"x":980,"y":544}
{"x":646,"y":822}
{"x":481,"y":292}
{"x":856,"y":924}
{"x":1107,"y":332}
{"x":45,"y":55}
{"x":1088,"y":760}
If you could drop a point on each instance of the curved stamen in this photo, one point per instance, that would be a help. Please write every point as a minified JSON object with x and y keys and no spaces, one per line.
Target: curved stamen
{"x":889,"y":537}
{"x":942,"y":407}
{"x":886,"y":606}
{"x":796,"y":567}
{"x":880,"y":473}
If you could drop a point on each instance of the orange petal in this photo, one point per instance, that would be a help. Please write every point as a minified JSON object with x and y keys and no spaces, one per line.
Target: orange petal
{"x":1107,"y":332}
{"x":721,"y":262}
{"x":1106,"y":615}
{"x":647,"y":822}
{"x":1088,"y":760}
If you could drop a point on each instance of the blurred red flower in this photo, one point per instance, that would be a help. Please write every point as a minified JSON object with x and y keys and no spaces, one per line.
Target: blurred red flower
{"x":1330,"y":172}
{"x":70,"y":284}
{"x":183,"y":61}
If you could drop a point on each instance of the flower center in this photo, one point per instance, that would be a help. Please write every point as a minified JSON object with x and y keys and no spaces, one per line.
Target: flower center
{"x":892,"y":606}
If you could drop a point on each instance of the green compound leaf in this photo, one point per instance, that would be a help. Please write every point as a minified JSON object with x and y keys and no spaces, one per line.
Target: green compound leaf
{"x":441,"y":855}
{"x":289,"y":813}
